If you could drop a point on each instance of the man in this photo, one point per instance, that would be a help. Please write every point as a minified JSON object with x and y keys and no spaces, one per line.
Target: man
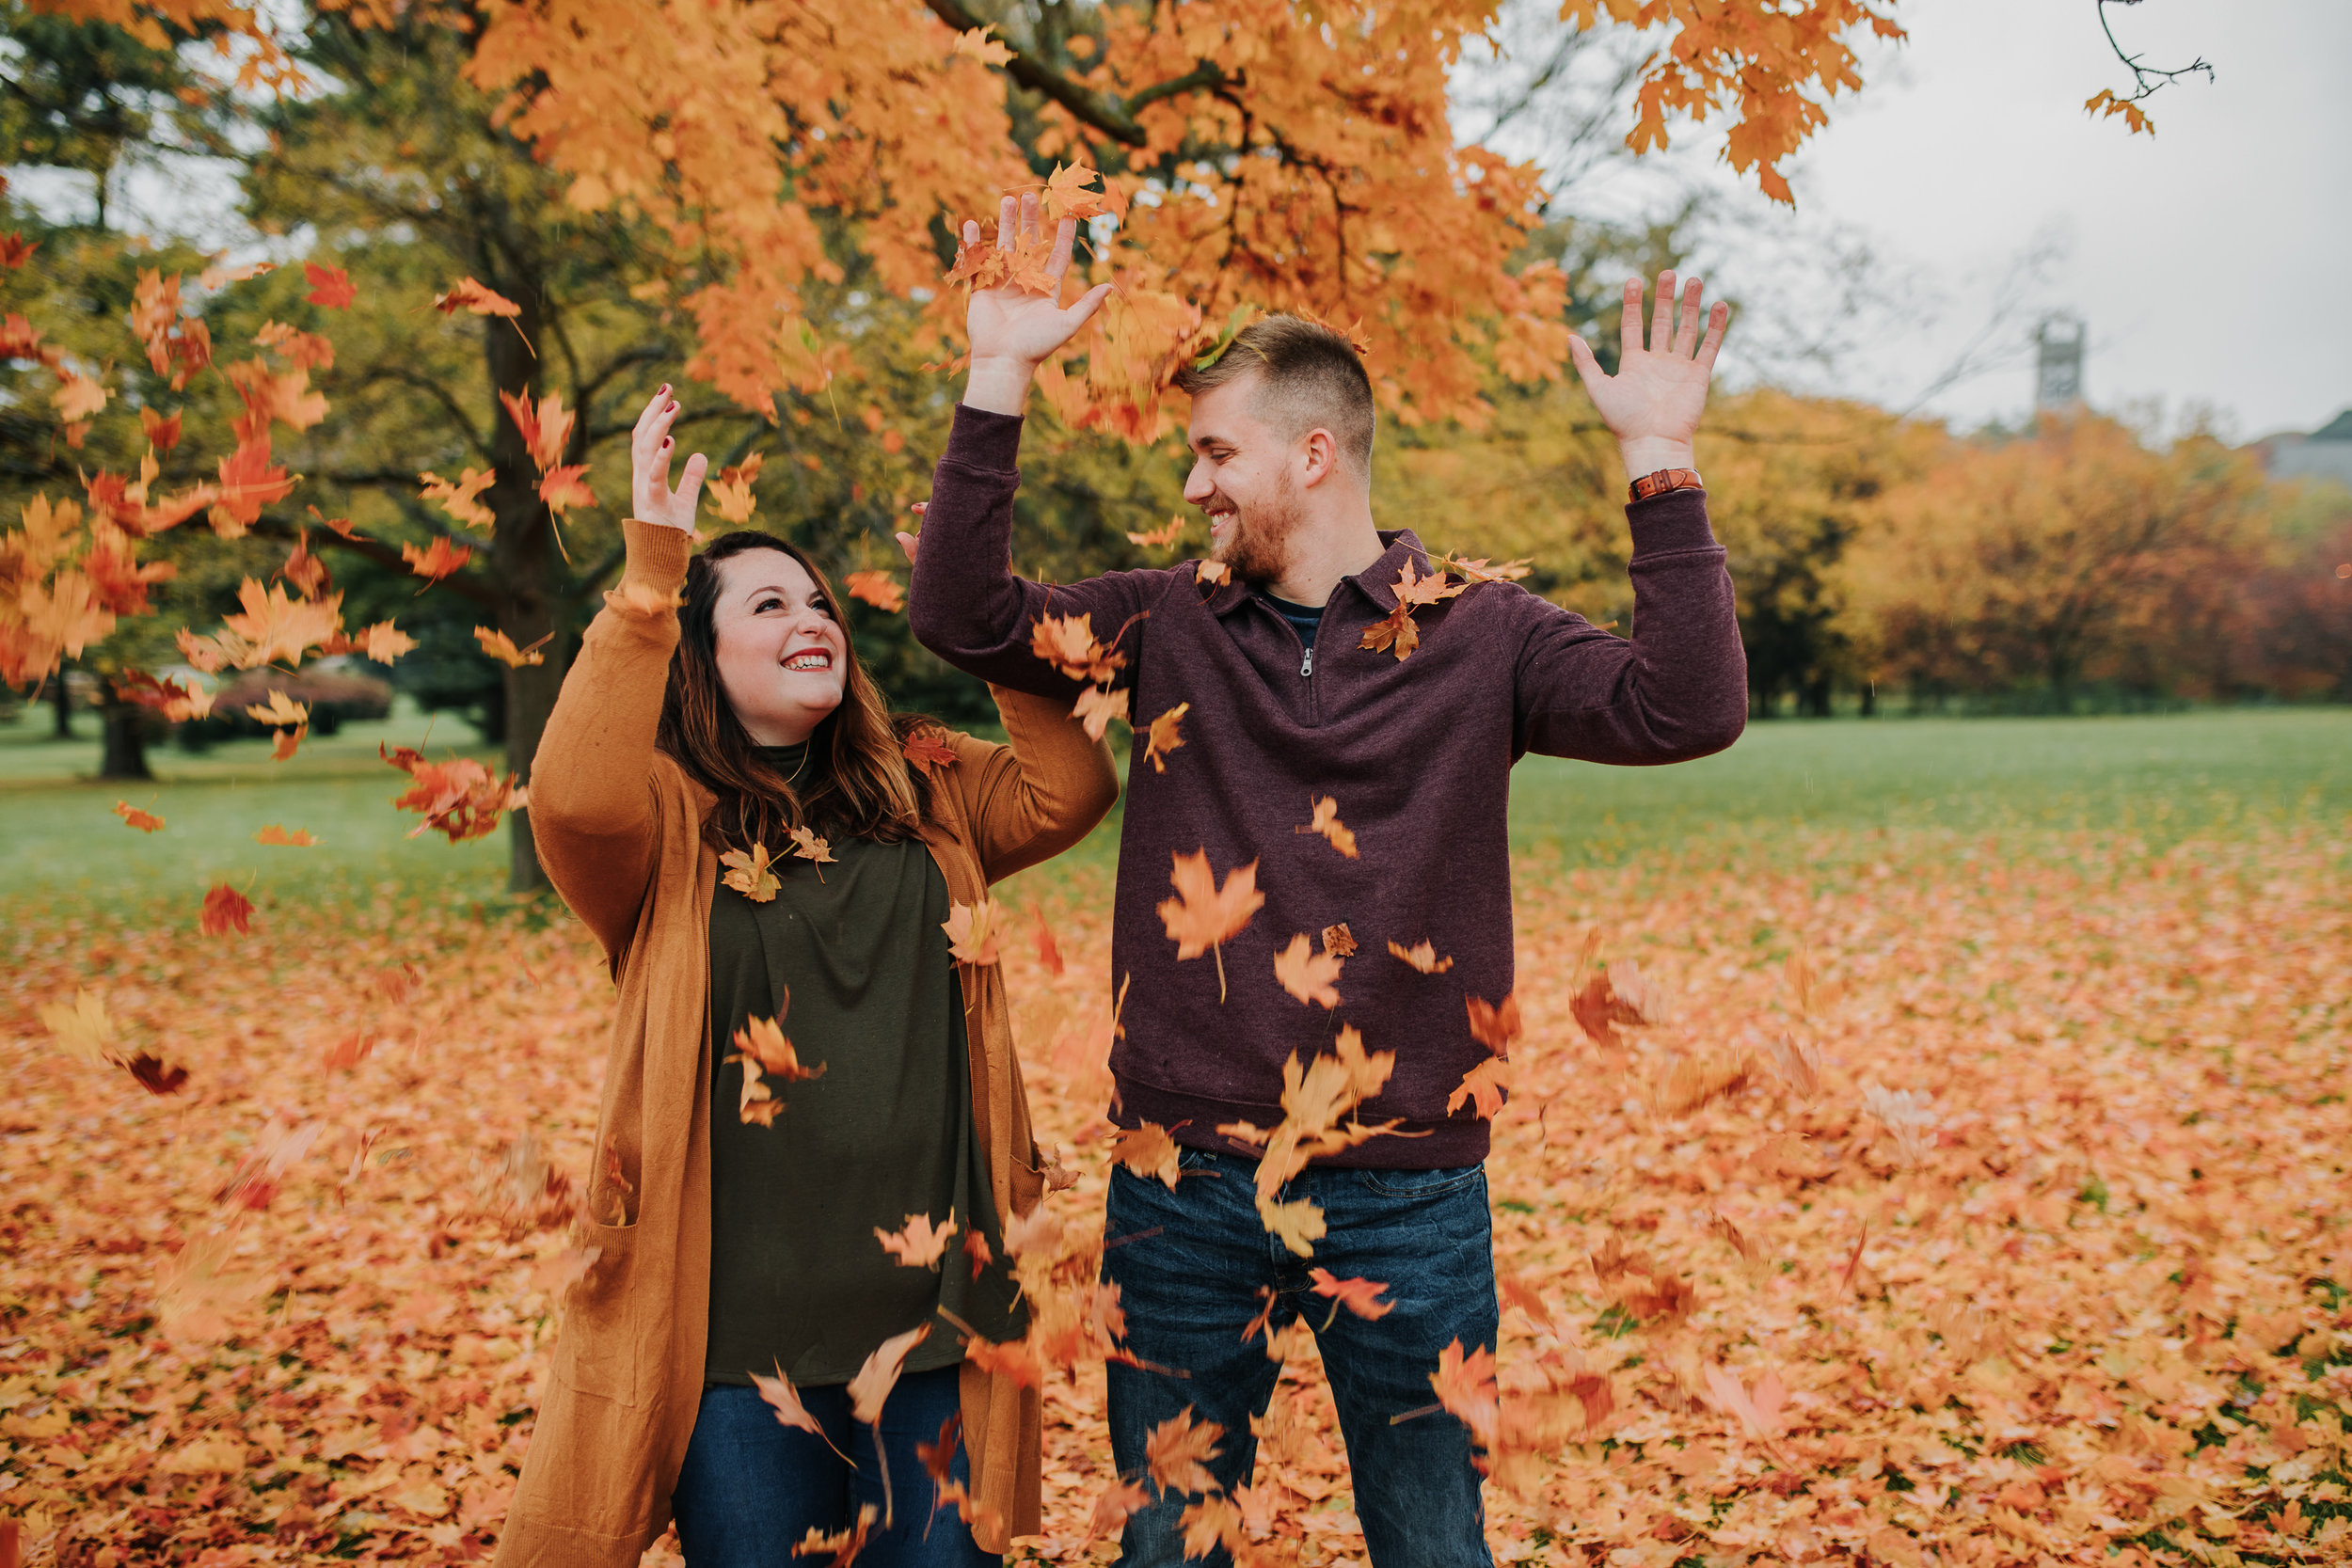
{"x":1412,"y":738}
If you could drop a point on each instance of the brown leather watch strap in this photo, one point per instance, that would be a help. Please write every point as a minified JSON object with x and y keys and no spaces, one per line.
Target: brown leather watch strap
{"x":1662,"y":481}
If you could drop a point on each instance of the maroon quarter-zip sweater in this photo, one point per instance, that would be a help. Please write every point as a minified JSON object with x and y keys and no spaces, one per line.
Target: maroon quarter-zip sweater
{"x":1417,"y":754}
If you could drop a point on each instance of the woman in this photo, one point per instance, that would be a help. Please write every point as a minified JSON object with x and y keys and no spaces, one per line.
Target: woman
{"x":734,"y":1209}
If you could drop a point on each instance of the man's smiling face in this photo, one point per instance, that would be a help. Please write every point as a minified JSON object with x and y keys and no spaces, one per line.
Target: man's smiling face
{"x":782,"y":657}
{"x":1241,"y":476}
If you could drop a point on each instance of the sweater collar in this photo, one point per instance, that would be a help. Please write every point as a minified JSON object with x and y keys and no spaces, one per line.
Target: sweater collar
{"x":1376,"y":582}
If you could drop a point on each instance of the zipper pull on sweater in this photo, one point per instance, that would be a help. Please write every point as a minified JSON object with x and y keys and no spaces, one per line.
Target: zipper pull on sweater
{"x":1307,"y":665}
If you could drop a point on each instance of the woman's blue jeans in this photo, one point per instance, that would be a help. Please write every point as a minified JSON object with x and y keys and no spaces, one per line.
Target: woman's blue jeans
{"x":750,"y":1488}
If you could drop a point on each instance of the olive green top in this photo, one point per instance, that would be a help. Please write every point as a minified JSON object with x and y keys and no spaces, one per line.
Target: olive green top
{"x":852,"y":960}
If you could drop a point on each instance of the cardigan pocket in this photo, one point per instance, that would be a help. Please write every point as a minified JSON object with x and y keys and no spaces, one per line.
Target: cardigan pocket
{"x":597,"y":1355}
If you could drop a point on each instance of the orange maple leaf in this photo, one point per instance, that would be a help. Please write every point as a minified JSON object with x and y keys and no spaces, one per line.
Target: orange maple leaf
{"x":162,"y":431}
{"x":273,"y":834}
{"x":784,"y":1401}
{"x":460,"y":799}
{"x":879,"y":589}
{"x":468,"y":294}
{"x":762,"y":1041}
{"x":1048,"y":951}
{"x":808,"y":845}
{"x":1465,"y":1386}
{"x":1485,"y":1084}
{"x":502,"y":647}
{"x":1396,"y":634}
{"x":1338,"y":940}
{"x":563,"y":488}
{"x":1163,"y":737}
{"x":1494,"y":1024}
{"x":225,"y":909}
{"x":1178,"y":1450}
{"x":928,"y":750}
{"x":917,"y":1245}
{"x":843,"y":1546}
{"x":1161,"y":537}
{"x":1213,"y":573}
{"x":1067,"y":643}
{"x":1096,"y":707}
{"x":457,"y":496}
{"x":880,"y":1374}
{"x":1305,"y":973}
{"x":1326,"y":822}
{"x":546,"y":426}
{"x":1757,"y":1409}
{"x":330,"y":287}
{"x":1423,"y":957}
{"x":748,"y":873}
{"x":972,"y":931}
{"x":1359,"y":1296}
{"x":1202,"y":918}
{"x":437,"y":561}
{"x":146,"y":822}
{"x":1147,"y":1150}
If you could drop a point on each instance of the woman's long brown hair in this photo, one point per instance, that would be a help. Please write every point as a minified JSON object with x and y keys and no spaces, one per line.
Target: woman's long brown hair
{"x":863,"y":787}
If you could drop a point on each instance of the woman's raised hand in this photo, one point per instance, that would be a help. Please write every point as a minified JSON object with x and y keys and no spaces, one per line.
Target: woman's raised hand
{"x":1012,"y":331}
{"x":650,"y":497}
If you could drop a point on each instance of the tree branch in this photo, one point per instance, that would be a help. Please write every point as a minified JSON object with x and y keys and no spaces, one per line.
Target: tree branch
{"x":1113,"y":120}
{"x":438,"y":393}
{"x":2146,"y":79}
{"x":372,"y":549}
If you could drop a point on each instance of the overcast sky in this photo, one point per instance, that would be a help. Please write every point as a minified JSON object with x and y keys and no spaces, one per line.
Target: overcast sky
{"x":2213,"y":261}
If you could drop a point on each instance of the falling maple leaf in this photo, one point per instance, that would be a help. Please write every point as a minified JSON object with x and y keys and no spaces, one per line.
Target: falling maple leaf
{"x":458,"y":497}
{"x":843,"y":1546}
{"x":563,"y":488}
{"x":280,"y":710}
{"x":1618,"y":996}
{"x":1338,"y":940}
{"x":879,"y":589}
{"x":808,"y":845}
{"x":1202,"y":918}
{"x":730,"y":490}
{"x":1423,"y":957}
{"x":1757,"y":1409}
{"x":502,"y":647}
{"x":1067,"y":643}
{"x":1359,"y":1296}
{"x":1120,"y":1499}
{"x":1096,"y":707}
{"x":330,"y":287}
{"x":1305,"y":973}
{"x":916,"y":1244}
{"x":1147,"y":1150}
{"x":975,"y":1249}
{"x":438,"y":562}
{"x":1798,"y":1064}
{"x":1160,"y":538}
{"x":1163,"y":737}
{"x":544,"y":426}
{"x":15,"y":249}
{"x":1494,"y":1024}
{"x":762,"y":1043}
{"x":1465,"y":1386}
{"x":273,"y":834}
{"x":162,"y":430}
{"x":146,"y":822}
{"x":1048,"y":951}
{"x":153,"y":1075}
{"x":928,"y":750}
{"x":80,"y":397}
{"x":225,"y":909}
{"x":784,"y":1400}
{"x":1213,"y":573}
{"x":748,"y":873}
{"x":460,"y":799}
{"x":972,"y":931}
{"x":82,"y":1026}
{"x":1178,"y":1450}
{"x":1326,"y":822}
{"x":1486,"y":1084}
{"x":468,"y":294}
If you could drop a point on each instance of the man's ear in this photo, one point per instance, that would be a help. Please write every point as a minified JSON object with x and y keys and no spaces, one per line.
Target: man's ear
{"x":1320,"y":455}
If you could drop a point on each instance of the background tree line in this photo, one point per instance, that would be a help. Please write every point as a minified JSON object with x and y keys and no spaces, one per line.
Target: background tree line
{"x":2076,"y":562}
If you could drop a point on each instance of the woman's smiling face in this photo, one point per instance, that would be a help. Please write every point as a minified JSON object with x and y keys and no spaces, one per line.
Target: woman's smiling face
{"x":782,"y":657}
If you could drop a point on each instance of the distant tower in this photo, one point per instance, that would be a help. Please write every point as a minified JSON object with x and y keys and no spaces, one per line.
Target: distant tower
{"x":2058,"y":383}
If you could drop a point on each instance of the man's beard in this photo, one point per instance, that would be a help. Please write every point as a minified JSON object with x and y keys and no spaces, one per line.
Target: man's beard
{"x":1259,"y":551}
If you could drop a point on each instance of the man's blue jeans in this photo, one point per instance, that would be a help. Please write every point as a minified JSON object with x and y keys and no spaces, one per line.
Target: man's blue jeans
{"x":751,"y":1489}
{"x":1192,"y":1266}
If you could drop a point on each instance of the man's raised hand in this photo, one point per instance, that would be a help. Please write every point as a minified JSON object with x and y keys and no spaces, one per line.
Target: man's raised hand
{"x":1012,"y":331}
{"x":650,"y":497}
{"x":1652,"y":404}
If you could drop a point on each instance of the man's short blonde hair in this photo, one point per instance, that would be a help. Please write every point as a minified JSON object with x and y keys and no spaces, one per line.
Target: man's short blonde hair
{"x":1311,"y":378}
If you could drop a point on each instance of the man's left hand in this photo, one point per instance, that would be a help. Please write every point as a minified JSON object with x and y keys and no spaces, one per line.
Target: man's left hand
{"x":1652,"y":404}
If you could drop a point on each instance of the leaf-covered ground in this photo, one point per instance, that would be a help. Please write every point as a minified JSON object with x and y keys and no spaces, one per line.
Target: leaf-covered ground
{"x":2079,"y":1106}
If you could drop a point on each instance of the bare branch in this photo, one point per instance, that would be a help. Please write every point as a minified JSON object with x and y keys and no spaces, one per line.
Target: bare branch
{"x":2146,"y":80}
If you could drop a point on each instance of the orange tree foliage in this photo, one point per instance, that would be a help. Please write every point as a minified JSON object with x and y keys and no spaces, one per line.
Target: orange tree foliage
{"x":2022,"y":1189}
{"x":2076,"y":556}
{"x":1265,"y":155}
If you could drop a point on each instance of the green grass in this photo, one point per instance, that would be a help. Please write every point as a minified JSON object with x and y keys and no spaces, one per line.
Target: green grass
{"x":1783,"y":786}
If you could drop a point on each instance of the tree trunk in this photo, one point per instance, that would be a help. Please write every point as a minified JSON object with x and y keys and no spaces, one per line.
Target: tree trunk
{"x":61,"y":705}
{"x":524,"y":566}
{"x":123,"y":729}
